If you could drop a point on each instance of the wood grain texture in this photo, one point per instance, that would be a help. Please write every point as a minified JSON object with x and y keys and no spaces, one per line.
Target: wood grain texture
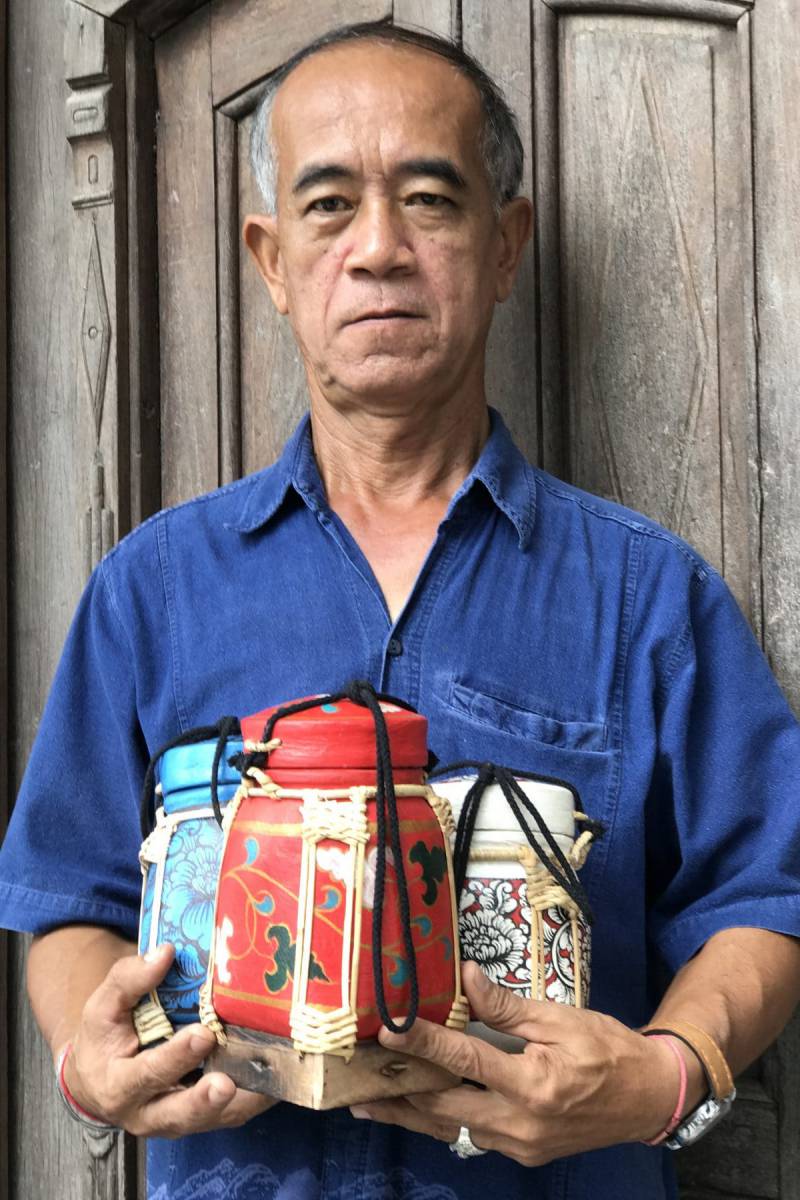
{"x":253,"y":37}
{"x":728,"y":11}
{"x":153,"y":17}
{"x":226,"y":158}
{"x":52,"y":441}
{"x":501,"y":40}
{"x":441,"y":17}
{"x":145,"y":408}
{"x":553,"y":425}
{"x":654,"y":218}
{"x":187,"y":252}
{"x":94,"y":60}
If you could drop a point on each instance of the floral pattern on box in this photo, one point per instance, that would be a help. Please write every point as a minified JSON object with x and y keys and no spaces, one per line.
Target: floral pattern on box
{"x":186,"y":914}
{"x":495,"y":929}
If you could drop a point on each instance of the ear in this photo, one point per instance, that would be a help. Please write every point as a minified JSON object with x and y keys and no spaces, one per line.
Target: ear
{"x":260,"y":235}
{"x":515,"y":225}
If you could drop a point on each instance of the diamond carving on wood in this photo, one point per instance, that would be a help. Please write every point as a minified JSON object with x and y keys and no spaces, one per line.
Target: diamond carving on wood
{"x":650,"y":358}
{"x":95,"y":331}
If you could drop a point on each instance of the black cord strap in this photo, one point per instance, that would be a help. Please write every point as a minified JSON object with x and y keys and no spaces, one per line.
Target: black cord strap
{"x":562,"y":871}
{"x":362,"y":692}
{"x":222,"y":730}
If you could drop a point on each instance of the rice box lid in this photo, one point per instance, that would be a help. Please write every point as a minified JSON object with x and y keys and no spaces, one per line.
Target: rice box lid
{"x":496,"y":820}
{"x":339,"y":734}
{"x":184,"y":774}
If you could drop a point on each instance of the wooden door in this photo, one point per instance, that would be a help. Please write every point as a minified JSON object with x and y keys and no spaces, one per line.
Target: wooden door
{"x":646,"y":353}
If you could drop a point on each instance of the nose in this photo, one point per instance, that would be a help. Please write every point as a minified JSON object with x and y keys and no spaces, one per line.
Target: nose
{"x":379,"y":245}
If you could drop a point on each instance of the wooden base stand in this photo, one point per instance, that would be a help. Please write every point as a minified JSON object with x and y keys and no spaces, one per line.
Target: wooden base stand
{"x":262,"y":1063}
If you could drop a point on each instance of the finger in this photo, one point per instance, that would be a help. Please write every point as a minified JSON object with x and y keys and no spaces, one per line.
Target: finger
{"x":502,"y":1009}
{"x":130,"y":978}
{"x":494,"y":1122}
{"x":487,"y":1111}
{"x":400,"y":1112}
{"x":462,"y":1055}
{"x":214,"y":1102}
{"x":160,"y":1068}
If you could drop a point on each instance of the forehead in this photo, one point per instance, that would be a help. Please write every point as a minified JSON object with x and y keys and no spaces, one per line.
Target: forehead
{"x":375,"y":97}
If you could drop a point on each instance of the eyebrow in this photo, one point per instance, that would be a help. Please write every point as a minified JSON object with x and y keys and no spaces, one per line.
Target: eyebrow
{"x":433,"y":168}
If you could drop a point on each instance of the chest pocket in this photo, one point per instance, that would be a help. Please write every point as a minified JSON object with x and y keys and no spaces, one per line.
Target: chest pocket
{"x":471,"y":722}
{"x":506,"y":716}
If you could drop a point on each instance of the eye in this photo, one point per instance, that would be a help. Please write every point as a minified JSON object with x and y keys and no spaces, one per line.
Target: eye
{"x":328,"y":204}
{"x":428,"y":199}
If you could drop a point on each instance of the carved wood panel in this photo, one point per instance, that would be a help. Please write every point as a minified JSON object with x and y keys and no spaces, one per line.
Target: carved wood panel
{"x":657,"y":262}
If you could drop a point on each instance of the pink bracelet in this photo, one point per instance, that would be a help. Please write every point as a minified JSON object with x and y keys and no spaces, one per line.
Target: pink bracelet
{"x":675,"y":1119}
{"x":76,"y":1110}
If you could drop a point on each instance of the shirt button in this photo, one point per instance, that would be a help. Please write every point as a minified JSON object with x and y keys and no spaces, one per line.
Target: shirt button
{"x":394,"y":647}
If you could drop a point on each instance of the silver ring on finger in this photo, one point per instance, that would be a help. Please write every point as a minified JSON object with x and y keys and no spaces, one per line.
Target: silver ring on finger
{"x":464,"y":1146}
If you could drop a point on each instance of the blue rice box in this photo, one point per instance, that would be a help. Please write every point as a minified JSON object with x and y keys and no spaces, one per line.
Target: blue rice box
{"x":180,"y":867}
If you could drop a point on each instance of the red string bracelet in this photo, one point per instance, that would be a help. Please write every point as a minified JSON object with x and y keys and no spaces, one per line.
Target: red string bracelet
{"x":76,"y":1110}
{"x":675,"y":1119}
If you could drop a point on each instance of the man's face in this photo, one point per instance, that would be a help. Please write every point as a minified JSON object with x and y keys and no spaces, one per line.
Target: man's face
{"x":386,"y":253}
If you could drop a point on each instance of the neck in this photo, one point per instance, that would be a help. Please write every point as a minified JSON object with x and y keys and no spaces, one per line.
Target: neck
{"x":395,"y":461}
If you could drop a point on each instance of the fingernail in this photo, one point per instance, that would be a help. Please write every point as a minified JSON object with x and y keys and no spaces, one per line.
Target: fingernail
{"x":153,"y":956}
{"x":216,"y":1095}
{"x":199,"y":1044}
{"x":360,"y":1114}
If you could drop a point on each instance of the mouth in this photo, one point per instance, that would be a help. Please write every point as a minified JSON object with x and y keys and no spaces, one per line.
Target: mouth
{"x":378,"y":316}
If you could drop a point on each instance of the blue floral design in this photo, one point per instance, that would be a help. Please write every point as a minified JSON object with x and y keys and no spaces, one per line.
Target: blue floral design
{"x":257,"y":1182}
{"x":224,"y":1182}
{"x":187,"y":912}
{"x":147,"y":909}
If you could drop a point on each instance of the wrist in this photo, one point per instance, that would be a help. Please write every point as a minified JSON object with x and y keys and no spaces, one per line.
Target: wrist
{"x":68,"y":1086}
{"x":670,"y":1080}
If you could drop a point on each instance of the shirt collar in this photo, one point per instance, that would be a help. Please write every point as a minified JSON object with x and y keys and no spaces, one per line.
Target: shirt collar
{"x":507,"y":476}
{"x":501,"y":468}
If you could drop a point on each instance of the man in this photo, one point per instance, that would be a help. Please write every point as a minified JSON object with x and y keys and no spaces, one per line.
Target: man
{"x":403,"y":538}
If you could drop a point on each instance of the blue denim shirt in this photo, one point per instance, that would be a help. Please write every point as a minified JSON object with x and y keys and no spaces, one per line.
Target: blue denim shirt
{"x":548,"y":630}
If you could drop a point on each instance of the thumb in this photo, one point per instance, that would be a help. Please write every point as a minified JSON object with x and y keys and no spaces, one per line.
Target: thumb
{"x":499,"y":1007}
{"x":130,"y":978}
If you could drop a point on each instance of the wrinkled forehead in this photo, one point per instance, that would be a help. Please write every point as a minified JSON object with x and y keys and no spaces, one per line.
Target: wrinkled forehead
{"x":375,"y":98}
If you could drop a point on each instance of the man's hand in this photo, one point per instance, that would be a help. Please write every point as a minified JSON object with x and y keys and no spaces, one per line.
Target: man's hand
{"x":583,"y":1080}
{"x":140,"y":1090}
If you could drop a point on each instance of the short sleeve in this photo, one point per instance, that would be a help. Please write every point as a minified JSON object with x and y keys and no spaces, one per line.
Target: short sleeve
{"x":70,"y":854}
{"x":723,"y":820}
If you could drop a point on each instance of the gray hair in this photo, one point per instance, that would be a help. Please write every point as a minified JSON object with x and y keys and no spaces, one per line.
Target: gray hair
{"x":501,"y":147}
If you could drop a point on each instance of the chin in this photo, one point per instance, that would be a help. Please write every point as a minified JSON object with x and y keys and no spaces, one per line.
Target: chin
{"x":384,"y":378}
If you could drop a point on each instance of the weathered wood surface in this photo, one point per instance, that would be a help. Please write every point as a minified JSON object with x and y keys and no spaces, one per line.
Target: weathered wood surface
{"x":52,"y":435}
{"x":442,"y":17}
{"x":271,"y":1065}
{"x":187,"y":261}
{"x":655,"y":205}
{"x":511,"y":369}
{"x":143,"y":340}
{"x":252,"y":37}
{"x":94,"y":61}
{"x":728,"y":11}
{"x":153,"y":17}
